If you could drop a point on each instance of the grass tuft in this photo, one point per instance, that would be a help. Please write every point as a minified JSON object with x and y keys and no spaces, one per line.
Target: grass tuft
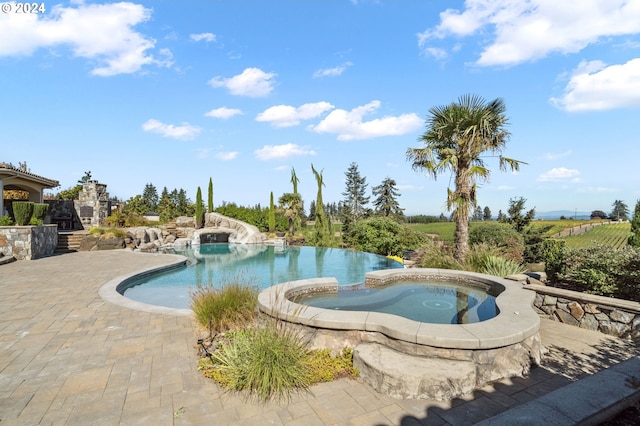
{"x":231,"y":306}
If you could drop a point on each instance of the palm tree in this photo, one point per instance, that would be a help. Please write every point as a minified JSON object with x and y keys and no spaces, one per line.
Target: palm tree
{"x":457,"y":137}
{"x":290,"y":204}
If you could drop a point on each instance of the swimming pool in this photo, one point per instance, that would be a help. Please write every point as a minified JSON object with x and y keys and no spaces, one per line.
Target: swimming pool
{"x":259,"y":265}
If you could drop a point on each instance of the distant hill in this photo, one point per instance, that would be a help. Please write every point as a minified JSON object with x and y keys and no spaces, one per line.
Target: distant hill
{"x":569,"y":214}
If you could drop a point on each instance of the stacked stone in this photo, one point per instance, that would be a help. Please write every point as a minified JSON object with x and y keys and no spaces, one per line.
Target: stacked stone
{"x":598,"y":317}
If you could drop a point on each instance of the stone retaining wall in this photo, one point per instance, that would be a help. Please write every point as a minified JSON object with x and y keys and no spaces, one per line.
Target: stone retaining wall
{"x":604,"y":314}
{"x":28,"y":242}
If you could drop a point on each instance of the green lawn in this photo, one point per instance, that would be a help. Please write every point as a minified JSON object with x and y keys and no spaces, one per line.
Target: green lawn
{"x":444,"y":230}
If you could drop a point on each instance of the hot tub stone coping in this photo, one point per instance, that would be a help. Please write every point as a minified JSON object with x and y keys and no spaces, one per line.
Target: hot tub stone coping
{"x":516,"y":322}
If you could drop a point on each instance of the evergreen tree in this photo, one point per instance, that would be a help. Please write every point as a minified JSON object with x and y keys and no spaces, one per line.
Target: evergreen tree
{"x":634,"y":238}
{"x":297,"y":223}
{"x":272,"y":214}
{"x":501,"y":216}
{"x":518,"y":220}
{"x":210,"y":197}
{"x":166,"y":206}
{"x":477,"y":214}
{"x":322,"y":228}
{"x":386,"y":203}
{"x":199,"y":209}
{"x":135,"y":205}
{"x":183,"y":203}
{"x":620,"y":210}
{"x":150,"y":198}
{"x":354,"y":194}
{"x":486,"y":213}
{"x":312,"y":209}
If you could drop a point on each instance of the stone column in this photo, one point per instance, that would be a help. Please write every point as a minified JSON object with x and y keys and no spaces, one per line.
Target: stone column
{"x":1,"y":199}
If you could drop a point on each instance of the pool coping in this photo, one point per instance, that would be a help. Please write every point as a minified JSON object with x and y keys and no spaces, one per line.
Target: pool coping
{"x":516,"y":322}
{"x":111,"y":290}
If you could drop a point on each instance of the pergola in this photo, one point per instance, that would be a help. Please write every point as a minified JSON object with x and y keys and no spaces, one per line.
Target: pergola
{"x":19,"y":179}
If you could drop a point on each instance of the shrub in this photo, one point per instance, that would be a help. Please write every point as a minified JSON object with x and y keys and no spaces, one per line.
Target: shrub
{"x":267,"y":362}
{"x":499,"y":235}
{"x":384,"y":236}
{"x":553,"y":255}
{"x":324,"y":367}
{"x":40,"y":210}
{"x":108,"y":232}
{"x":6,"y":220}
{"x":232,"y":305}
{"x":35,"y":221}
{"x":22,"y":211}
{"x":604,"y":271}
{"x":500,"y":267}
{"x":432,"y":255}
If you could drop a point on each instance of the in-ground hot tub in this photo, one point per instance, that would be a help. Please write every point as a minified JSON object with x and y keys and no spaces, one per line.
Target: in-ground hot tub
{"x":411,"y":359}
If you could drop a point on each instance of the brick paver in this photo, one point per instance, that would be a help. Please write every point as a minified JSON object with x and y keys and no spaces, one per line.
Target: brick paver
{"x":68,"y":357}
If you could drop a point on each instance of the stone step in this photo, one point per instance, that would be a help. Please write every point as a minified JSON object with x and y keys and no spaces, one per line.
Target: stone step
{"x":407,"y":376}
{"x":69,"y":242}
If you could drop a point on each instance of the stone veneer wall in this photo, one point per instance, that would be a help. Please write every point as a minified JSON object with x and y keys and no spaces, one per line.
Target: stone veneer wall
{"x":28,"y":242}
{"x":604,"y":314}
{"x":93,"y":205}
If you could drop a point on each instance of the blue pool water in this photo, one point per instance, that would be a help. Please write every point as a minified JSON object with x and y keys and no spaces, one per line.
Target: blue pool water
{"x":437,"y":302}
{"x":258,"y":265}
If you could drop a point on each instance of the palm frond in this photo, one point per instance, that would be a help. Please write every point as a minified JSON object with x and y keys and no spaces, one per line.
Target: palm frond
{"x":510,"y":163}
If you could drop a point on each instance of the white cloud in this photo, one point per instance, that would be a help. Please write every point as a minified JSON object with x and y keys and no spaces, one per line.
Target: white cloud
{"x":287,"y":116}
{"x":281,"y":168}
{"x":223,"y":113}
{"x":279,"y":152}
{"x":595,"y":87}
{"x":521,"y":31}
{"x":556,"y":156}
{"x":184,"y":131}
{"x":560,"y":174}
{"x":349,"y":125}
{"x":597,"y":189}
{"x":227,"y":156}
{"x":208,"y":37}
{"x":102,"y":33}
{"x":437,"y":53}
{"x":252,"y":82}
{"x":332,"y":72}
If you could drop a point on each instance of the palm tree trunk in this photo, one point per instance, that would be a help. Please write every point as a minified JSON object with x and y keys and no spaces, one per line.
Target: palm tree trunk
{"x":463,"y":202}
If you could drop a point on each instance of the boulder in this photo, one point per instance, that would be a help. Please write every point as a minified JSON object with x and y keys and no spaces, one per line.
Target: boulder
{"x":114,"y":243}
{"x":88,"y":243}
{"x":185,"y":222}
{"x":406,"y":376}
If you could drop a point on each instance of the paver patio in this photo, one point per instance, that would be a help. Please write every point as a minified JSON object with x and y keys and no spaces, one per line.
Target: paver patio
{"x":68,"y":357}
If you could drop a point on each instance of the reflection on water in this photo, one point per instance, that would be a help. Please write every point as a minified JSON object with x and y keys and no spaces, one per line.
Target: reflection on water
{"x":258,"y":265}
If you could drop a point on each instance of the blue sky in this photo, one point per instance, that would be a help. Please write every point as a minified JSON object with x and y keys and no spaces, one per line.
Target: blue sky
{"x":172,"y":93}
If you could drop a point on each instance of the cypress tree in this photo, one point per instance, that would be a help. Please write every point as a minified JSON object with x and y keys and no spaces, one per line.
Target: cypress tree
{"x":210,"y":197}
{"x":272,"y":215}
{"x":634,"y":238}
{"x":322,"y":229}
{"x":199,"y":209}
